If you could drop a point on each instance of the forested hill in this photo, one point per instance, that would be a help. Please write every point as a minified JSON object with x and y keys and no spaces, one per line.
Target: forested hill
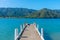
{"x":29,"y":13}
{"x":15,"y":12}
{"x":45,"y":13}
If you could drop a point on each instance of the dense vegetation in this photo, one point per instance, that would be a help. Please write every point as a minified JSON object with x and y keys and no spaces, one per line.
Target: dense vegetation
{"x":29,"y":13}
{"x":45,"y":13}
{"x":15,"y":12}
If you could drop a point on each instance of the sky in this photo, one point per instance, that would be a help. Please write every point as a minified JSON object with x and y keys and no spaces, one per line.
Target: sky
{"x":31,"y":4}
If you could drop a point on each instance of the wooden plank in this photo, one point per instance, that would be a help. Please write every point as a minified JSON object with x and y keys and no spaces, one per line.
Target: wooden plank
{"x":30,"y":33}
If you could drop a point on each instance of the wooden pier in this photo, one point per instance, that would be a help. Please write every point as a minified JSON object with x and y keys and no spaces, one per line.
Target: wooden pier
{"x":29,"y":32}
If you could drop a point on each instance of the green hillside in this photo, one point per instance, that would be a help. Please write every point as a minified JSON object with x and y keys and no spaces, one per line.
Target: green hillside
{"x":29,"y":13}
{"x":45,"y":13}
{"x":15,"y":12}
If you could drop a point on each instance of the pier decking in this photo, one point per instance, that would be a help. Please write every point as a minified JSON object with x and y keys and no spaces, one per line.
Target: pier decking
{"x":30,"y":32}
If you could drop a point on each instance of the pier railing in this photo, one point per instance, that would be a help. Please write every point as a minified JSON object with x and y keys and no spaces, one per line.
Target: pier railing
{"x":40,"y":33}
{"x":17,"y":35}
{"x":22,"y":28}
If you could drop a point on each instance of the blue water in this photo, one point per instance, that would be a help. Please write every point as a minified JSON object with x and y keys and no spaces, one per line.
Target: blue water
{"x":51,"y":27}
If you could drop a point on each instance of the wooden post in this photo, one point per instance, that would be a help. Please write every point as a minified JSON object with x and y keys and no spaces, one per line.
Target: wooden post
{"x":38,"y":26}
{"x":21,"y":28}
{"x":42,"y":32}
{"x":16,"y":34}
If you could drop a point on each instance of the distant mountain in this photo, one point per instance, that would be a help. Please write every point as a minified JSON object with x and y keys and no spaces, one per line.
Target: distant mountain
{"x":15,"y":12}
{"x":45,"y":13}
{"x":29,"y":13}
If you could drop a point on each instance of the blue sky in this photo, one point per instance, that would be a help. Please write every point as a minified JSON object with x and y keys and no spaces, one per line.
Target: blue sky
{"x":31,"y":4}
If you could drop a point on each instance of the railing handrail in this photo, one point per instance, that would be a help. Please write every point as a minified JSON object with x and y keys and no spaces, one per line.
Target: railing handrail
{"x":20,"y":34}
{"x":39,"y":32}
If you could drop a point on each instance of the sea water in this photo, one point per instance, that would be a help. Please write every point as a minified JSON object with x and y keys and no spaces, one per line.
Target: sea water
{"x":51,"y":27}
